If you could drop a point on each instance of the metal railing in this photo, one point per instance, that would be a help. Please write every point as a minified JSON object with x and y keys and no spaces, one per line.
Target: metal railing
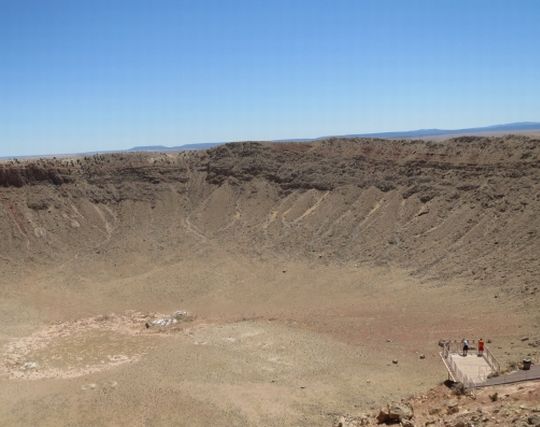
{"x":458,"y":374}
{"x":491,"y":360}
{"x":456,"y":347}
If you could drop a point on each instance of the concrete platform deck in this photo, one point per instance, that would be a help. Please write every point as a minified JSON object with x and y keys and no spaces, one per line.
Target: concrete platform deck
{"x":475,"y":367}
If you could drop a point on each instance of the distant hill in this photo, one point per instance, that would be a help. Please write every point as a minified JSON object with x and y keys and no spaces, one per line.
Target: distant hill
{"x":423,"y":133}
{"x":519,"y":127}
{"x":186,"y":147}
{"x":436,"y":134}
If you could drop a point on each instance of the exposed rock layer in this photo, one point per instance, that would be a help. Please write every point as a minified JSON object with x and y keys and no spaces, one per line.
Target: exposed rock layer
{"x":466,"y":208}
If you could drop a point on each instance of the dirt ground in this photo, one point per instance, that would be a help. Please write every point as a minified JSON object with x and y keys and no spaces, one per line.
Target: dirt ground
{"x":260,"y":352}
{"x":301,"y":297}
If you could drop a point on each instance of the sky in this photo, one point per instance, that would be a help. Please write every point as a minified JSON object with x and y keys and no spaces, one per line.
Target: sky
{"x":79,"y":76}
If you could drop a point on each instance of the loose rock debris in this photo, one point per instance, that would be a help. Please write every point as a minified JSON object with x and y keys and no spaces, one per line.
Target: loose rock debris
{"x":174,"y":319}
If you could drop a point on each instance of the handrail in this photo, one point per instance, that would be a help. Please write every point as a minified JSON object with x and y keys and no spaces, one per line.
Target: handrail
{"x":455,"y":347}
{"x":459,"y":375}
{"x":491,"y":360}
{"x":446,"y":350}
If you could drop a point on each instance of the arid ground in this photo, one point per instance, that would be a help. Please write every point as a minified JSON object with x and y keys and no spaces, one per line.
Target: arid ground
{"x":308,"y":270}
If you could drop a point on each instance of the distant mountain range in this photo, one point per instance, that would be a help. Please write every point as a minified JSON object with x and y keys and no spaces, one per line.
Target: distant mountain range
{"x":438,"y":134}
{"x":186,"y":147}
{"x":422,"y":133}
{"x":519,"y":127}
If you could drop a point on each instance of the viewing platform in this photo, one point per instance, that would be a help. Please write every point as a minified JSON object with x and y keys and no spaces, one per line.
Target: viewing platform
{"x":472,"y":370}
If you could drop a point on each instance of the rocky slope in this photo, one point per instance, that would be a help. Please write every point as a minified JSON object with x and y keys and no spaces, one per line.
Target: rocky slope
{"x":463,"y":208}
{"x":508,"y":405}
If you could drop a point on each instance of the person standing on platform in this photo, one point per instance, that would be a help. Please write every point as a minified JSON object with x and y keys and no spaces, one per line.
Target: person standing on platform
{"x":480,"y":347}
{"x":465,"y":347}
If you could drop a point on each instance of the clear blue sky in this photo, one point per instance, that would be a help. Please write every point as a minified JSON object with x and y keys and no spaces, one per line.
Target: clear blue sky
{"x":110,"y":74}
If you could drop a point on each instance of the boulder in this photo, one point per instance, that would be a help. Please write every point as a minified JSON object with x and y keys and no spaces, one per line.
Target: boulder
{"x":395,"y":413}
{"x":452,"y":407}
{"x":30,"y":366}
{"x":534,"y":420}
{"x":535,"y":343}
{"x":459,"y":389}
{"x":351,"y":421}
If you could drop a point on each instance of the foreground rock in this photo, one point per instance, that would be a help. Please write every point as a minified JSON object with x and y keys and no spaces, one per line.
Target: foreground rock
{"x":515,"y":405}
{"x":395,"y":413}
